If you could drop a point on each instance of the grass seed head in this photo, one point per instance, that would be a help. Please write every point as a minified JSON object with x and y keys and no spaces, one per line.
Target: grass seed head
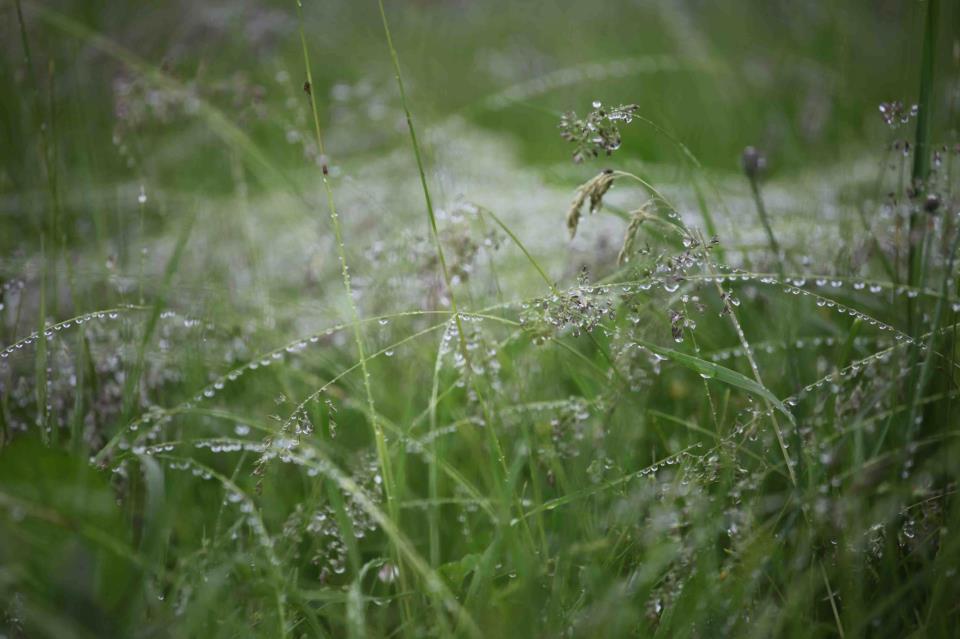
{"x":593,"y":190}
{"x":598,"y":132}
{"x":630,"y":237}
{"x":753,"y":162}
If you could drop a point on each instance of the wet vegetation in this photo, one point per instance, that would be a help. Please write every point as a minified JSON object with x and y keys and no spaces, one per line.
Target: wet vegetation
{"x":485,"y":319}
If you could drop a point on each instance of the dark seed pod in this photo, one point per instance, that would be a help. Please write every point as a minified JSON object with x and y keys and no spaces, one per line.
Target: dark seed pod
{"x":753,"y":162}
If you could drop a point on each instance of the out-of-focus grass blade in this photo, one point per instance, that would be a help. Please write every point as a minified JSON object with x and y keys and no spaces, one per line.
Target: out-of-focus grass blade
{"x":219,"y":124}
{"x":133,"y":378}
{"x":355,"y":619}
{"x":153,"y":507}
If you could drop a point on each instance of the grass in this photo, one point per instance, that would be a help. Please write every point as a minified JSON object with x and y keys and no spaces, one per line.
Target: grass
{"x":246,"y":389}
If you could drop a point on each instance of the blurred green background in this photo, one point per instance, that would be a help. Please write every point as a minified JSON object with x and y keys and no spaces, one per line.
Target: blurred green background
{"x":799,"y":79}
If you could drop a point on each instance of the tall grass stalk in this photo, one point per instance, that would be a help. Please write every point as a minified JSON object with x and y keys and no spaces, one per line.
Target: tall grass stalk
{"x":500,"y":469}
{"x":383,"y":452}
{"x":753,"y":178}
{"x":926,"y":366}
{"x":921,"y":158}
{"x":792,"y":364}
{"x":918,"y":237}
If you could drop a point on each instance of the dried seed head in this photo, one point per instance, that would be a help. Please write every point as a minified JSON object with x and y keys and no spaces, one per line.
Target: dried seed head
{"x":630,"y":237}
{"x":594,"y":190}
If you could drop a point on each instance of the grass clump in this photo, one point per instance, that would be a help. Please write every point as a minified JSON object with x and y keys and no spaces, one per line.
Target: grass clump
{"x":268,"y":398}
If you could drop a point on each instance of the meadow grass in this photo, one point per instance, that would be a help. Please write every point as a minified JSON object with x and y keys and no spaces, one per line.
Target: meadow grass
{"x":299,"y":350}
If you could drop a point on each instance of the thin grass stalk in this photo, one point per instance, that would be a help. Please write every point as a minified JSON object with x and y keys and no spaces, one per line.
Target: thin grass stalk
{"x":765,"y":221}
{"x":132,"y":379}
{"x":40,"y":365}
{"x":383,"y":455}
{"x":434,"y":583}
{"x":926,"y":366}
{"x":917,"y":238}
{"x":493,"y":439}
{"x":792,"y":360}
{"x":47,"y":136}
{"x":755,"y":369}
{"x":921,"y":157}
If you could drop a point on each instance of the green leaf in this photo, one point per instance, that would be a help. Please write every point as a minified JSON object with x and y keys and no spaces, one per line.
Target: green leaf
{"x":712,"y":370}
{"x":454,"y":572}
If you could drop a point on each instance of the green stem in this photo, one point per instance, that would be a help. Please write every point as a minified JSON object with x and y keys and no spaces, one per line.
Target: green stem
{"x":383,"y":455}
{"x":494,"y":442}
{"x":925,"y":367}
{"x":765,"y":220}
{"x":921,"y":152}
{"x":921,"y":158}
{"x":501,"y":472}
